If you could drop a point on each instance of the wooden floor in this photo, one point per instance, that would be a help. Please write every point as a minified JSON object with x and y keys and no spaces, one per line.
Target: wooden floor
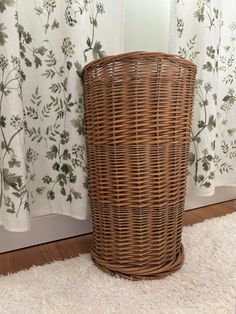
{"x":46,"y":253}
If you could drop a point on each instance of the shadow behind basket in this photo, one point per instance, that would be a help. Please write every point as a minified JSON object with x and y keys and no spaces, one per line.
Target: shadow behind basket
{"x":138,"y":109}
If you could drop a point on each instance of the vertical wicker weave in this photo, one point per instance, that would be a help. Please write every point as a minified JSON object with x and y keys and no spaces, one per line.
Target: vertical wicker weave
{"x":138,"y":109}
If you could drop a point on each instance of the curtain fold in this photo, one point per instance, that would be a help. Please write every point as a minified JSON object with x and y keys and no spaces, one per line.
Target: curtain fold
{"x":13,"y":182}
{"x":43,"y":47}
{"x":204,"y":31}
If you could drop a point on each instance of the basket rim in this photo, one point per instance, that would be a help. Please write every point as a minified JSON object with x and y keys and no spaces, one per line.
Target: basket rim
{"x":137,"y":54}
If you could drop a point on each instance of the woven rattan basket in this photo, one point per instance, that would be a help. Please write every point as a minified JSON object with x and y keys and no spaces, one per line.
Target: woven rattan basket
{"x":138,"y":109}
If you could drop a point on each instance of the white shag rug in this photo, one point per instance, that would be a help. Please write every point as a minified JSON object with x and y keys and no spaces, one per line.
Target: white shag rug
{"x":206,"y":284}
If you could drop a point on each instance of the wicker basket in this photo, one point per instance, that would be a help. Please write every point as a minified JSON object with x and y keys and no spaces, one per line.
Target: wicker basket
{"x":138,"y":109}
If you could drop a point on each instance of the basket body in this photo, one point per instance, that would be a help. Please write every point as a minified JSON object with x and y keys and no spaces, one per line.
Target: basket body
{"x":138,"y":109}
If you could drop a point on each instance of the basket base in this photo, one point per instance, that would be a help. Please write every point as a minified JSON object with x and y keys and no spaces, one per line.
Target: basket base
{"x":140,"y":273}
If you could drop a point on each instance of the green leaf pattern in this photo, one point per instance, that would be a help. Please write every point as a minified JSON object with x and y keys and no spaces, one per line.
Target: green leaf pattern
{"x":206,"y":35}
{"x":42,"y":156}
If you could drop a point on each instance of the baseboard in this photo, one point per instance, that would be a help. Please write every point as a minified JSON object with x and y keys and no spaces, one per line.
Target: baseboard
{"x":222,"y":194}
{"x":55,"y":227}
{"x":43,"y":229}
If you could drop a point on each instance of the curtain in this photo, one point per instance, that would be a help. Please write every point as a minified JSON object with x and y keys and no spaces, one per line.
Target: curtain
{"x":43,"y":47}
{"x":204,"y":31}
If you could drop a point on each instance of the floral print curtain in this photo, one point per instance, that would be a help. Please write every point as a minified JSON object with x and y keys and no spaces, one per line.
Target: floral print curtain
{"x":43,"y":47}
{"x":204,"y":31}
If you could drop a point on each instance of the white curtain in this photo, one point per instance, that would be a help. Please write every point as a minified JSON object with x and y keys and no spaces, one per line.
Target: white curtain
{"x":204,"y":31}
{"x":43,"y":47}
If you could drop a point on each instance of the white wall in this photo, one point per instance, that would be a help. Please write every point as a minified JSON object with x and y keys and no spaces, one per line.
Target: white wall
{"x":147,"y":25}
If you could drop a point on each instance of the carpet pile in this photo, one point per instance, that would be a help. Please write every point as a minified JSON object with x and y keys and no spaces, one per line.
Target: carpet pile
{"x":206,"y":284}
